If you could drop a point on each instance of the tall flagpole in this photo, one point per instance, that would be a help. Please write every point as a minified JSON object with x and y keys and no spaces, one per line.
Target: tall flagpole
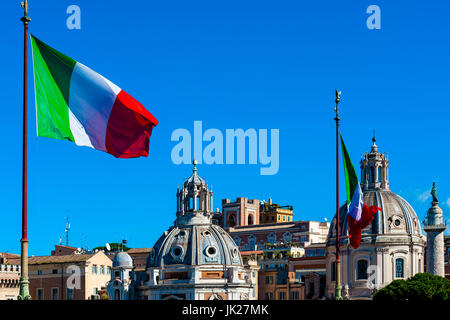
{"x":24,"y":288}
{"x":338,"y":253}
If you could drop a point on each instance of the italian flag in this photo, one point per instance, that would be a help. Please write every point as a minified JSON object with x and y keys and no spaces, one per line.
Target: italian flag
{"x":359,"y":214}
{"x":77,"y":104}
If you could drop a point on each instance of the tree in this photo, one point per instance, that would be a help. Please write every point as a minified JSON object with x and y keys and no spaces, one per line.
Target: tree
{"x":421,"y":287}
{"x":114,"y":247}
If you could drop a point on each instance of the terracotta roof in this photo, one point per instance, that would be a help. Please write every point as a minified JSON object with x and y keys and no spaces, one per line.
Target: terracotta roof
{"x":56,"y":259}
{"x":61,"y":246}
{"x":139,"y":250}
{"x":9,"y":255}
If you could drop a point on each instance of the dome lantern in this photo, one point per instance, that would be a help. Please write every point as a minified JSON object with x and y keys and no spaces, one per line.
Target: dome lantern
{"x":374,"y":169}
{"x":194,"y":200}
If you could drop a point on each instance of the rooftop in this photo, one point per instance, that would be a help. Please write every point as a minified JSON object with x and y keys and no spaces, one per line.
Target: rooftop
{"x":54,"y":259}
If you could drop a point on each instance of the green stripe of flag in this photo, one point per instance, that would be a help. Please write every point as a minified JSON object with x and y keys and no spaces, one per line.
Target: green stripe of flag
{"x":52,"y":94}
{"x":60,"y":66}
{"x":351,"y":179}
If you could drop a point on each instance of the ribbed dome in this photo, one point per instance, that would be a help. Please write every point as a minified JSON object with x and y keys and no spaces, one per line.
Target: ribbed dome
{"x":122,"y":259}
{"x":396,"y":218}
{"x":195,"y":244}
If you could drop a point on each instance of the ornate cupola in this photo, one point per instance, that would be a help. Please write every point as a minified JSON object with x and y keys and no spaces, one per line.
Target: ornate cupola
{"x":194,"y":200}
{"x":374,"y":169}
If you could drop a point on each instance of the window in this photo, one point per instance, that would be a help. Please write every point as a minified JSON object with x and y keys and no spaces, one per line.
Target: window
{"x":69,"y":294}
{"x":379,"y":174}
{"x":303,"y":239}
{"x":55,"y":294}
{"x":40,"y":294}
{"x":272,"y":238}
{"x":333,"y":271}
{"x":55,"y":271}
{"x":250,"y":219}
{"x":108,"y":270}
{"x":294,"y":295}
{"x":281,"y":295}
{"x":361,"y":272}
{"x":372,"y":174}
{"x":117,"y":274}
{"x":102,"y":269}
{"x":269,"y":296}
{"x":94,"y":269}
{"x":252,"y":242}
{"x":269,"y":279}
{"x":95,"y":290}
{"x":420,"y":265}
{"x":39,"y":272}
{"x":399,"y":268}
{"x":232,"y":220}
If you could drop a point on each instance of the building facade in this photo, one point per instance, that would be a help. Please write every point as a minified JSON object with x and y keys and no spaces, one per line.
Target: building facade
{"x":242,"y":212}
{"x":9,"y":276}
{"x":68,"y":277}
{"x":301,"y":233}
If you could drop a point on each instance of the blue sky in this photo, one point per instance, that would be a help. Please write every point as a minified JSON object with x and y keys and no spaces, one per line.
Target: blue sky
{"x":232,"y":64}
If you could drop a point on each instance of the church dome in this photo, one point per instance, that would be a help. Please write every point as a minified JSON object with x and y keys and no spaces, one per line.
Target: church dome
{"x":195,"y":244}
{"x":396,"y":218}
{"x":122,"y":259}
{"x":194,"y":240}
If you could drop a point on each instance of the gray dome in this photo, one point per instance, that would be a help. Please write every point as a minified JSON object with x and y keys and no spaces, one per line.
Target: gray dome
{"x":195,"y":244}
{"x":122,"y":259}
{"x":396,"y":218}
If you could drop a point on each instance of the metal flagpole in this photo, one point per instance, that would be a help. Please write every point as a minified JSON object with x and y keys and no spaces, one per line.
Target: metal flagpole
{"x":338,"y":253}
{"x":24,"y":289}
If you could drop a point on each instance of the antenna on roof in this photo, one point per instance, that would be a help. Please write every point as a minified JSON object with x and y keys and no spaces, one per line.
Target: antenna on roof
{"x":67,"y":230}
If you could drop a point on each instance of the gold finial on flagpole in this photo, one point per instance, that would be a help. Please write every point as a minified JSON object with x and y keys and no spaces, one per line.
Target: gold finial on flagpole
{"x":338,"y":98}
{"x":25,"y":19}
{"x":24,"y":5}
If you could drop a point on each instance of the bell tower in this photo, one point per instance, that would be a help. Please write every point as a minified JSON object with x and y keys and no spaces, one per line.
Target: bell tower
{"x":374,"y":169}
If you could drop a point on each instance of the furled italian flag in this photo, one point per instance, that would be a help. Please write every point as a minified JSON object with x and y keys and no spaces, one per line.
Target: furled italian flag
{"x":77,"y":104}
{"x":359,"y":214}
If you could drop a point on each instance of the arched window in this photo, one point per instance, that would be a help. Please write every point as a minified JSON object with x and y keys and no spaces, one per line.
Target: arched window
{"x":250,"y":219}
{"x":232,"y":220}
{"x":379,"y":174}
{"x":399,"y":270}
{"x":272,"y":238}
{"x":237,"y":240}
{"x":361,"y":269}
{"x":251,"y":242}
{"x":287,"y":236}
{"x":372,"y":174}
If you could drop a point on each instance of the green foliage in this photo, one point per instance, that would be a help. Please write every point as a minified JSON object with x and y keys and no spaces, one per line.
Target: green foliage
{"x":114,"y":247}
{"x":421,"y":287}
{"x":104,"y":296}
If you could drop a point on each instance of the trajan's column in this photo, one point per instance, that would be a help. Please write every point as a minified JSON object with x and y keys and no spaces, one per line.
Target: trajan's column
{"x":434,"y":226}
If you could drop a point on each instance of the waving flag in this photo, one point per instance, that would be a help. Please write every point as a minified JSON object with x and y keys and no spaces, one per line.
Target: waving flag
{"x":77,"y":104}
{"x":359,"y":214}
